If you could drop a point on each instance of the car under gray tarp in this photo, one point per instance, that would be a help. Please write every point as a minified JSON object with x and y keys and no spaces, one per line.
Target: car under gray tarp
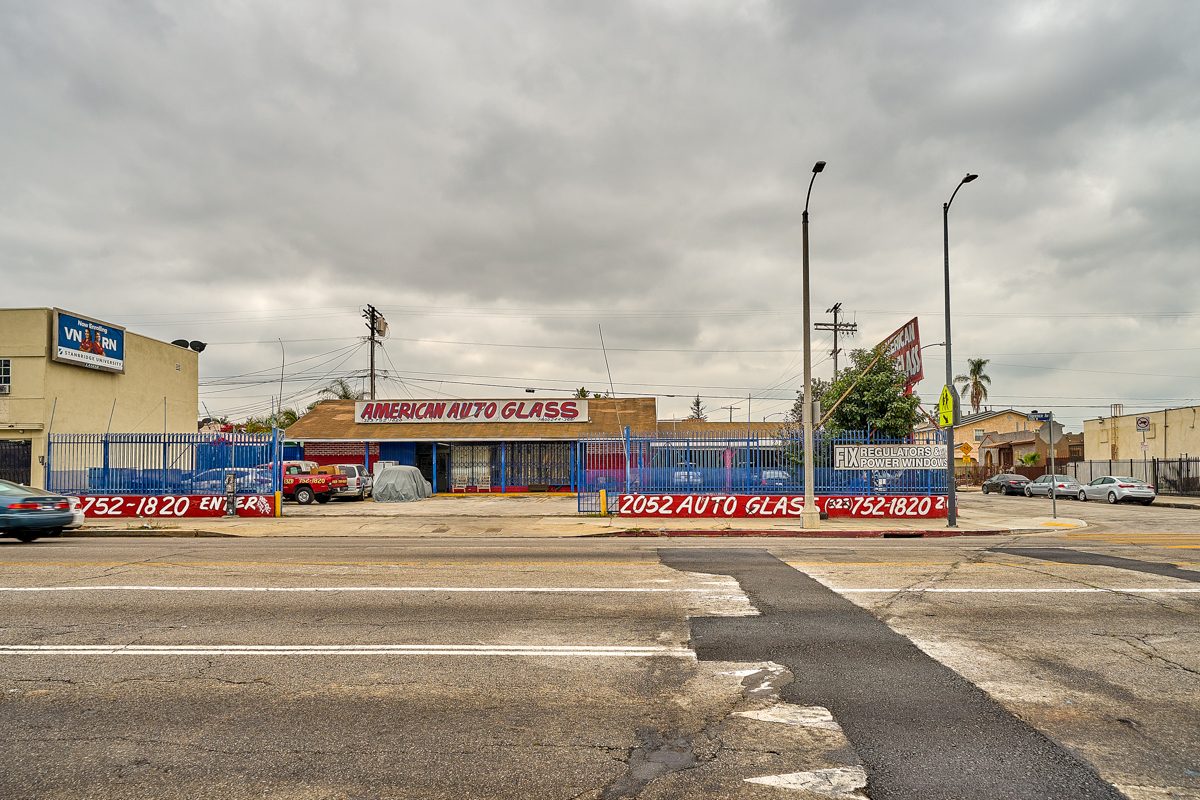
{"x":401,"y":485}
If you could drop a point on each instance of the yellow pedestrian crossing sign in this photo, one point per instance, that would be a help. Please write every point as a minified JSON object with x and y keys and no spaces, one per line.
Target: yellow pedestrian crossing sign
{"x":947,"y":404}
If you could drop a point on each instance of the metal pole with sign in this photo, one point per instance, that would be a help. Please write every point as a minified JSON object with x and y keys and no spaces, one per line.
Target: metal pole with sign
{"x":1143,"y":425}
{"x":1049,"y":437}
{"x":231,"y":494}
{"x":947,"y":418}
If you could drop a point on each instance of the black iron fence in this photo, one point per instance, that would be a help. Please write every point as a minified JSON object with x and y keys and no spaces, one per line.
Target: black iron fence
{"x":1176,"y":476}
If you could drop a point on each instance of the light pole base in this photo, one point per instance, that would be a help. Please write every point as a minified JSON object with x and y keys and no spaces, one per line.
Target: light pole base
{"x":810,"y":518}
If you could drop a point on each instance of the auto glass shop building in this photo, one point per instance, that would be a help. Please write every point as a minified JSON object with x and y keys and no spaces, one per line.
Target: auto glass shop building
{"x":468,"y":445}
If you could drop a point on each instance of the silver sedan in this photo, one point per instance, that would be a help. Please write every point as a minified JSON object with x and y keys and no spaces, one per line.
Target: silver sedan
{"x":1115,"y":488}
{"x":1061,"y":485}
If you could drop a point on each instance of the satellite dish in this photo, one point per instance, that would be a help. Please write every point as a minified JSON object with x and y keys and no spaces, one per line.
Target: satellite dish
{"x":1044,"y":433}
{"x":180,"y":342}
{"x":198,"y":346}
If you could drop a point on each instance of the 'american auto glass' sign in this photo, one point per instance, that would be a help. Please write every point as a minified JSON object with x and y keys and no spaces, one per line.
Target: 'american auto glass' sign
{"x":83,"y":341}
{"x":471,"y":411}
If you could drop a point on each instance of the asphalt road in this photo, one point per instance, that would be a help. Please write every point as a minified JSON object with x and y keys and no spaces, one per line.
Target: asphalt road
{"x":340,"y":668}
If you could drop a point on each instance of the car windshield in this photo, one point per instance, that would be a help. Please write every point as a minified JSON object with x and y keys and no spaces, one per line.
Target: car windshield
{"x":7,"y":487}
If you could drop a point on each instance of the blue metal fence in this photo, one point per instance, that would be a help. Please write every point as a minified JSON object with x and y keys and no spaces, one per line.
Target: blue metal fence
{"x":163,"y":464}
{"x":702,"y":463}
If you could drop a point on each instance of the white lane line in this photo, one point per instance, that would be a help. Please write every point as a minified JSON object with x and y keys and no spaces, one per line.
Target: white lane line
{"x":788,"y":714}
{"x":839,"y":782}
{"x":906,"y":590}
{"x":465,"y":589}
{"x":365,"y":649}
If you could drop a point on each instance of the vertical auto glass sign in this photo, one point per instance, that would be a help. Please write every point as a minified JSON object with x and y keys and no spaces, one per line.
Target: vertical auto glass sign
{"x":905,"y":346}
{"x":83,"y":341}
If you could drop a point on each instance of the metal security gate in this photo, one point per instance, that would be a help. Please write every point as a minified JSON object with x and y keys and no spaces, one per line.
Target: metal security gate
{"x":16,"y":457}
{"x":470,"y":467}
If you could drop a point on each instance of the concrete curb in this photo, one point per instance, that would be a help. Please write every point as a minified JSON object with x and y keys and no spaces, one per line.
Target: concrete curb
{"x":81,"y":533}
{"x":878,"y":534}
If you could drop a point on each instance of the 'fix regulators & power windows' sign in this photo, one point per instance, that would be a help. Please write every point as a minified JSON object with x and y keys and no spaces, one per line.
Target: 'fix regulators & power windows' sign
{"x":889,"y":456}
{"x":471,"y":411}
{"x":83,"y":341}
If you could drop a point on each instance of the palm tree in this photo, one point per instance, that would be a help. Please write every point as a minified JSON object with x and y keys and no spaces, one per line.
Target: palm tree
{"x":340,"y":389}
{"x":975,"y":379}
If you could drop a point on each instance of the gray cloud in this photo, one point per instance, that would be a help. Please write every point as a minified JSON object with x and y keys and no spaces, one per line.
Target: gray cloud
{"x":580,"y":161}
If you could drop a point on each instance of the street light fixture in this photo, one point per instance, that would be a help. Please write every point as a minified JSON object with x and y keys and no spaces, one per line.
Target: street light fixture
{"x":811,"y":516}
{"x":951,"y":479}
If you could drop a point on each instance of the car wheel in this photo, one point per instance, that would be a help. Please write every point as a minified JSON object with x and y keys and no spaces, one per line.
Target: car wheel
{"x":1028,"y":492}
{"x":1146,"y":502}
{"x":985,"y":489}
{"x":1082,"y":497}
{"x":304,"y":495}
{"x":362,"y":494}
{"x":1112,"y":498}
{"x":26,"y":536}
{"x":324,"y":498}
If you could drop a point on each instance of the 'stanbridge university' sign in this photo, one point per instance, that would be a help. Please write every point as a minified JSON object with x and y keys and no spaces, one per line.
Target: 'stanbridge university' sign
{"x":83,"y":341}
{"x":889,"y":456}
{"x":471,"y":411}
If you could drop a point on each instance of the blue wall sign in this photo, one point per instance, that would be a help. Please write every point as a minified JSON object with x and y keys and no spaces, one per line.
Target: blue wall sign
{"x":83,"y":341}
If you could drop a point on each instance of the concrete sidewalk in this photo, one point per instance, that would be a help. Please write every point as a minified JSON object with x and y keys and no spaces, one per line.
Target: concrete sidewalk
{"x":538,"y":516}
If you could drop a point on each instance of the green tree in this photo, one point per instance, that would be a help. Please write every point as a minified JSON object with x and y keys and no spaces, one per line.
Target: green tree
{"x":874,"y":397}
{"x":976,"y":380}
{"x":1030,"y":459}
{"x":697,"y":410}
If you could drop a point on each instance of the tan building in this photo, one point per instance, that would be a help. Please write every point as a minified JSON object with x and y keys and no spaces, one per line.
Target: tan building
{"x":972,"y":428}
{"x":1005,"y":450}
{"x":84,"y":376}
{"x":1171,"y":434}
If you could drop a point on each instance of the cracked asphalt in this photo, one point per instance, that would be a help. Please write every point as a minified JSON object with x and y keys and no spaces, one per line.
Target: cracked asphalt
{"x":1099,"y":657}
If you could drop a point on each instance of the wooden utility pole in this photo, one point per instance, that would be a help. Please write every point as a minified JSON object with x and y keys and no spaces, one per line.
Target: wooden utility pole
{"x":837,"y":327}
{"x":377,"y":326}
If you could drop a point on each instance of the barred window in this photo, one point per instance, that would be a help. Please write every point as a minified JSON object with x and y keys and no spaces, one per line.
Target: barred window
{"x":5,"y":371}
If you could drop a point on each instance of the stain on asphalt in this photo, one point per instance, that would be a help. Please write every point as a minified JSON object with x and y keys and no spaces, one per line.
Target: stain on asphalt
{"x":922,"y":731}
{"x":1064,"y":555}
{"x":651,"y":759}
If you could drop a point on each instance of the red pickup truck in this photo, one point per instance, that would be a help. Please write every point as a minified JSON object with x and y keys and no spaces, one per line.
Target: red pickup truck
{"x":302,"y":485}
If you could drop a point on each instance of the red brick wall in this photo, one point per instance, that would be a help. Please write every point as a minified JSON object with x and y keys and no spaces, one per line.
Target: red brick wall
{"x":339,"y":452}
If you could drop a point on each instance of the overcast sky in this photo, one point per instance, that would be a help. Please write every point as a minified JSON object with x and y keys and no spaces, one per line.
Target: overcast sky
{"x":500,"y":178}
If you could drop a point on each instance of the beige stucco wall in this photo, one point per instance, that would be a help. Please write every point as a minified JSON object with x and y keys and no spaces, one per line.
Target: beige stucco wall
{"x":81,"y":399}
{"x":1173,"y":433}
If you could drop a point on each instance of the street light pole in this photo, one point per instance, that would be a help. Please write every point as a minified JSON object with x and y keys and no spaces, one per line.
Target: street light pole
{"x":811,"y":516}
{"x":951,"y":480}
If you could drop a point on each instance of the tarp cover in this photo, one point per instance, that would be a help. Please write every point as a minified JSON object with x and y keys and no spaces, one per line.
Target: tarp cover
{"x":401,"y":485}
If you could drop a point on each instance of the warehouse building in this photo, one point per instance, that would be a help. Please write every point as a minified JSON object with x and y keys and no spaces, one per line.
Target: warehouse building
{"x":65,"y":373}
{"x":495,"y":445}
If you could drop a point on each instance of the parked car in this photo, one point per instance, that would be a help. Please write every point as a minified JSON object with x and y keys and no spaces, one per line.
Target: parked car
{"x":302,"y":484}
{"x":1115,"y":488}
{"x":1062,"y":485}
{"x":1005,"y":483}
{"x":77,"y":515}
{"x":687,"y":477}
{"x":212,"y":481}
{"x":359,"y":482}
{"x":775,"y":477}
{"x":27,"y":514}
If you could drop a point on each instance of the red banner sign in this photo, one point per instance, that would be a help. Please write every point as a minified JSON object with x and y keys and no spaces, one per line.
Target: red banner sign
{"x":905,"y":346}
{"x":195,"y":505}
{"x":719,"y":506}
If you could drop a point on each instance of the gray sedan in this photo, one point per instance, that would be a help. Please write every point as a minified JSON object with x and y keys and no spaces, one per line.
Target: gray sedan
{"x":1115,"y":488}
{"x":1062,"y":486}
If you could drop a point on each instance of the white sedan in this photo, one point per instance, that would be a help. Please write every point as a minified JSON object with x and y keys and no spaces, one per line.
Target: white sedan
{"x":1062,"y":485}
{"x":1115,"y":488}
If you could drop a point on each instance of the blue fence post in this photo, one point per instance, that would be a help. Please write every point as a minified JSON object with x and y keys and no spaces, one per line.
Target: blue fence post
{"x":503,"y":475}
{"x":626,"y":459}
{"x":435,"y":466}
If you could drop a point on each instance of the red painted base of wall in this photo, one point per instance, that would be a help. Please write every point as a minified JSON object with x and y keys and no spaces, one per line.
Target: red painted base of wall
{"x":195,"y":505}
{"x":721,"y":506}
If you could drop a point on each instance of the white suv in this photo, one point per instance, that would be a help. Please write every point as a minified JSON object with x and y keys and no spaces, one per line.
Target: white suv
{"x":359,"y":482}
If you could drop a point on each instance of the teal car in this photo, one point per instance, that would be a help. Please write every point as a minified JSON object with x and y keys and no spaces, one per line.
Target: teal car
{"x":27,"y":514}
